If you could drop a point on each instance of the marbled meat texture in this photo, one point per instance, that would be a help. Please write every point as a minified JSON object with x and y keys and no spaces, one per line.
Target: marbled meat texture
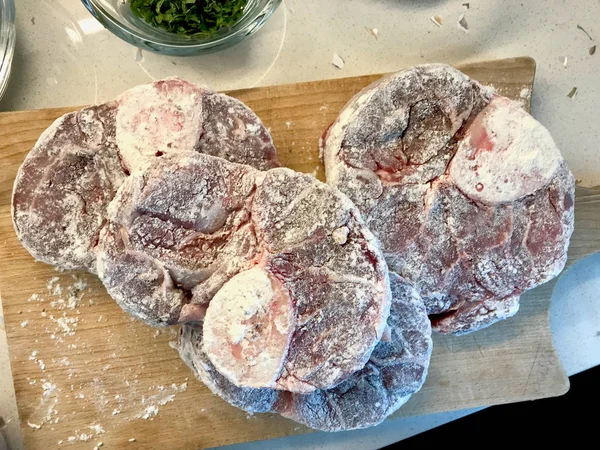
{"x":396,"y":370}
{"x":468,"y":194}
{"x":294,"y":286}
{"x":63,"y":188}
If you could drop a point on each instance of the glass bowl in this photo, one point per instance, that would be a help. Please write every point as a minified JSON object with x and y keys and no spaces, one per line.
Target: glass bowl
{"x":7,"y":41}
{"x":117,"y":17}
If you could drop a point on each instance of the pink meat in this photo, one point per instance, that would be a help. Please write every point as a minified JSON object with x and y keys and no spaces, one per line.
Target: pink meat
{"x":64,"y":186}
{"x":468,"y":194}
{"x":397,"y":369}
{"x":63,"y":189}
{"x":297,"y":285}
{"x":174,"y":116}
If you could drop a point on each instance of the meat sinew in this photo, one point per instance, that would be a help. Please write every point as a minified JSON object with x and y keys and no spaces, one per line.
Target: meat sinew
{"x":62,"y":191}
{"x":468,"y":194}
{"x":397,"y":369}
{"x":294,"y":286}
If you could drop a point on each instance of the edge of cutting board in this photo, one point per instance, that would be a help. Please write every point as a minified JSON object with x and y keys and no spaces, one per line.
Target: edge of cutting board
{"x":123,"y":350}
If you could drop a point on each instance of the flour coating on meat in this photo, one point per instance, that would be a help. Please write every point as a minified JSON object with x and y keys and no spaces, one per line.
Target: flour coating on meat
{"x":64,"y":186}
{"x":468,"y":194}
{"x":197,"y":225}
{"x":396,"y":370}
{"x":174,"y":116}
{"x":63,"y":189}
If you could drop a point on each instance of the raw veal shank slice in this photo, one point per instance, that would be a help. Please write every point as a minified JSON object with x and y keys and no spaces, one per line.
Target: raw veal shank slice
{"x":396,"y":370}
{"x":468,"y":194}
{"x":63,"y":188}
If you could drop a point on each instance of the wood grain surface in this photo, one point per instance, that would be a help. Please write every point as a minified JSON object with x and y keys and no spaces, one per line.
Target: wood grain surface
{"x":85,"y":372}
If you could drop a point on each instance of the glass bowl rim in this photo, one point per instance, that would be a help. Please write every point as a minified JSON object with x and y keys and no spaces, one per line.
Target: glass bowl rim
{"x":239,"y":28}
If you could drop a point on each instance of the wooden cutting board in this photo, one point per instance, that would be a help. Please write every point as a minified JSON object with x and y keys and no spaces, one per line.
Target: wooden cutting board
{"x":84,"y":372}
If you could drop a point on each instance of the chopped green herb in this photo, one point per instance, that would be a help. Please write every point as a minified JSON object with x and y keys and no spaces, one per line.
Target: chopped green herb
{"x":189,"y":17}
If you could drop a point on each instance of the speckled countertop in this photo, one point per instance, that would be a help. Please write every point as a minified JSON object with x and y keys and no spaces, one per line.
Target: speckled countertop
{"x":64,"y":57}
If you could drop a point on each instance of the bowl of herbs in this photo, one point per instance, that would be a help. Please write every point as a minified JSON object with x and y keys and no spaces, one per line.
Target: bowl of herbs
{"x":182,"y":27}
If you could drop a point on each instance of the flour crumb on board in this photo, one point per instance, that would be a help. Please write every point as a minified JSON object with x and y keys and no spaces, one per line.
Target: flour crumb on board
{"x":165,"y":395}
{"x":45,"y":411}
{"x":97,"y":429}
{"x":51,"y":282}
{"x":24,"y":323}
{"x":149,"y":412}
{"x":132,"y":440}
{"x":85,"y":437}
{"x":58,"y":304}
{"x":525,"y":96}
{"x":525,"y":93}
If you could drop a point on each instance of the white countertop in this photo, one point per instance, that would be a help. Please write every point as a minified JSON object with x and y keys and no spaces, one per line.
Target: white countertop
{"x":65,"y":58}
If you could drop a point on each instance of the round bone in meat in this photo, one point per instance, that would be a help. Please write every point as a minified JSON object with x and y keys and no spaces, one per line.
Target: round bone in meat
{"x":62,"y":191}
{"x":174,"y":116}
{"x":468,"y":194}
{"x":396,"y":370}
{"x":203,"y":230}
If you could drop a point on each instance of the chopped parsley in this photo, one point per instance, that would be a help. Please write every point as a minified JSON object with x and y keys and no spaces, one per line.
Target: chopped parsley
{"x":189,"y":17}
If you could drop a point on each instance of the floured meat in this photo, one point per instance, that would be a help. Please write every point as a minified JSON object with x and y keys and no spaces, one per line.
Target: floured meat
{"x":232,"y":131}
{"x":63,"y":188}
{"x":192,"y":352}
{"x":397,"y":369}
{"x":297,"y":285}
{"x":174,"y":116}
{"x":467,"y":193}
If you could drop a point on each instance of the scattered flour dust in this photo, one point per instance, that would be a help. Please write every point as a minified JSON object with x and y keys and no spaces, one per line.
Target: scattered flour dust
{"x":165,"y":395}
{"x":45,"y":411}
{"x":95,"y":430}
{"x":60,"y":305}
